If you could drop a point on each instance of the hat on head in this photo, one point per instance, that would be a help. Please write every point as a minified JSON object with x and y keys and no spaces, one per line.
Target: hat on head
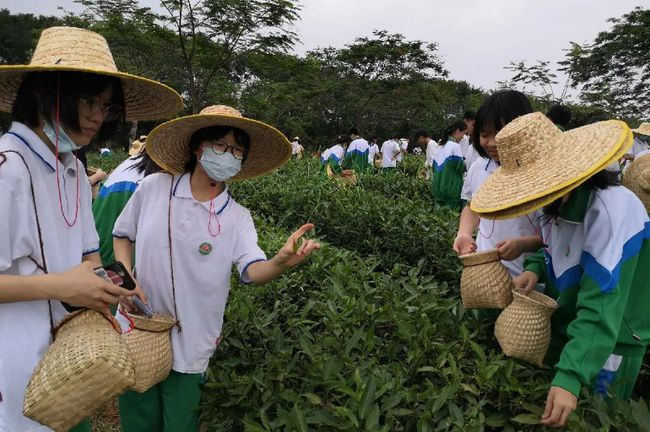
{"x":643,"y":129}
{"x":540,"y":163}
{"x":136,"y":146}
{"x":169,"y":144}
{"x":74,"y":49}
{"x":637,"y":179}
{"x":296,"y":138}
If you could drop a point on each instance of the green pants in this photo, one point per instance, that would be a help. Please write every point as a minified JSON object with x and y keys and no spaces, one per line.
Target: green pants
{"x":84,"y":426}
{"x":171,"y":406}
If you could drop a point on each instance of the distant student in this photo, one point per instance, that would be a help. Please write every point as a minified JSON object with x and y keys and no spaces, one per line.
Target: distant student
{"x":356,"y":157}
{"x":373,"y":151}
{"x":423,"y":139}
{"x":449,"y":168}
{"x":296,"y":148}
{"x":333,"y":156}
{"x":390,"y":149}
{"x":560,"y":115}
{"x":403,"y":145}
{"x":509,"y":236}
{"x":469,"y":152}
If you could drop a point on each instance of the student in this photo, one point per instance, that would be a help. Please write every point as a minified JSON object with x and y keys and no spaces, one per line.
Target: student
{"x":296,"y":148}
{"x":116,"y":192}
{"x":403,"y":145}
{"x":469,"y":152}
{"x":510,"y":236}
{"x":356,"y":157}
{"x":596,"y":254}
{"x":390,"y":149}
{"x":333,"y":156}
{"x":423,"y":139}
{"x":560,"y":115}
{"x":184,"y":259}
{"x":48,"y":249}
{"x":373,"y":151}
{"x":449,"y":168}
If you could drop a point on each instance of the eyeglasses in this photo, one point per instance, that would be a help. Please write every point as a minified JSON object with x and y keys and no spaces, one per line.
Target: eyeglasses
{"x":110,"y":112}
{"x":219,"y":147}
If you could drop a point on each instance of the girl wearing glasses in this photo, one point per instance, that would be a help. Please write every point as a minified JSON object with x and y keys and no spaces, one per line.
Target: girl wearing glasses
{"x":189,"y":232}
{"x":69,"y":94}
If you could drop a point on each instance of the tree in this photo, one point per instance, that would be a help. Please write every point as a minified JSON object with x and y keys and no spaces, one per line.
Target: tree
{"x":614,"y":70}
{"x":539,"y":76}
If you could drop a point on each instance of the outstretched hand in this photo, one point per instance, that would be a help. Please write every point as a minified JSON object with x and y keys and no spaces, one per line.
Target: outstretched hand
{"x":297,"y":248}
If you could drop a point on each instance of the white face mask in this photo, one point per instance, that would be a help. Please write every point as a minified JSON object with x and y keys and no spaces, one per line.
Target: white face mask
{"x":66,"y":145}
{"x":220,"y":167}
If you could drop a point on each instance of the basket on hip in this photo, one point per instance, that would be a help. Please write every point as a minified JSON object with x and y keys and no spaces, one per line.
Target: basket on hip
{"x":86,"y":366}
{"x":485,"y":283}
{"x":523,"y":329}
{"x":150,"y":348}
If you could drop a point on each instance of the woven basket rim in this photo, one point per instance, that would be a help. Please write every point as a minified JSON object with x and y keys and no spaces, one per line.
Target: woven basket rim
{"x":537,"y":298}
{"x":158,"y":323}
{"x":482,"y":257}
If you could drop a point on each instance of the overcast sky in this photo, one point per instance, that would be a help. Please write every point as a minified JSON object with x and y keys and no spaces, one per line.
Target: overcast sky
{"x":476,"y":38}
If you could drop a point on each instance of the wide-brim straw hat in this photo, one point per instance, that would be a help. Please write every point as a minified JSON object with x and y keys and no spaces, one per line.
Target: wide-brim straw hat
{"x":538,"y":161}
{"x":637,"y":179}
{"x":136,"y":146}
{"x":169,"y":144}
{"x":644,"y":129}
{"x":74,"y":49}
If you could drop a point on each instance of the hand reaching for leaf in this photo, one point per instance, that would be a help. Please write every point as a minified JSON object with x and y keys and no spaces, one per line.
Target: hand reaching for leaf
{"x":294,"y":251}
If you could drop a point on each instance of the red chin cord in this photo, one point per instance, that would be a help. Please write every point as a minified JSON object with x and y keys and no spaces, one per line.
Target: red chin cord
{"x":56,"y":155}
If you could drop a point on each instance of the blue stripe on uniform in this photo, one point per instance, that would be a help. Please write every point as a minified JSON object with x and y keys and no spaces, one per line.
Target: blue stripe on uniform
{"x":123,"y":186}
{"x":448,"y":159}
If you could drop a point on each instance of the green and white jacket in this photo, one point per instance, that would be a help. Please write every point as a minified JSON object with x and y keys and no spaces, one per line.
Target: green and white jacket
{"x":111,"y":199}
{"x":596,"y":264}
{"x":448,"y":170}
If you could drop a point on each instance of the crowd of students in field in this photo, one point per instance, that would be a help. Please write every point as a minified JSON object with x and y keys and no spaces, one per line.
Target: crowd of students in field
{"x":543,"y":197}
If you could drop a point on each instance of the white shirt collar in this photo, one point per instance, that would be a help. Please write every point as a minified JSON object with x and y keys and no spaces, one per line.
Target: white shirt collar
{"x":182,"y":189}
{"x":35,"y":144}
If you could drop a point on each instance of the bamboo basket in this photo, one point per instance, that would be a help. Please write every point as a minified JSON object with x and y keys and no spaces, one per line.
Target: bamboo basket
{"x":150,"y":347}
{"x":87,"y":366}
{"x":485,"y":283}
{"x":523,"y":329}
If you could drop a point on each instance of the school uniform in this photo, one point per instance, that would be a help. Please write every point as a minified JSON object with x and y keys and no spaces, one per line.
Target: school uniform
{"x":596,"y":265}
{"x":333,"y":157}
{"x":25,"y":327}
{"x":372,"y":151}
{"x":389,"y":150}
{"x":447,"y":177}
{"x":492,"y":232}
{"x":404,"y":145}
{"x":111,"y":199}
{"x":432,"y":146}
{"x":356,"y":157}
{"x":202,"y":267}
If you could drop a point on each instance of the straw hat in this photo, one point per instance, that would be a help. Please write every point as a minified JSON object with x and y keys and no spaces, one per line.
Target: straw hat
{"x":538,"y":161}
{"x":168,"y":144}
{"x":644,"y":129}
{"x":136,"y":146}
{"x":637,"y":179}
{"x":75,"y":49}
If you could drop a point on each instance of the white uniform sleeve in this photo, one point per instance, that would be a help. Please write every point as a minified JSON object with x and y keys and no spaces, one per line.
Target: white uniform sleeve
{"x":15,"y":240}
{"x":246,"y":251}
{"x":468,"y":186}
{"x":90,"y":236}
{"x":126,"y":225}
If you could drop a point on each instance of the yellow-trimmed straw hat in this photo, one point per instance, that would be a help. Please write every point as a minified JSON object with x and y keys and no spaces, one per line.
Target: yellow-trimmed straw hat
{"x":75,"y":49}
{"x":637,"y":179}
{"x":643,"y":129}
{"x":168,"y":144}
{"x":540,"y":163}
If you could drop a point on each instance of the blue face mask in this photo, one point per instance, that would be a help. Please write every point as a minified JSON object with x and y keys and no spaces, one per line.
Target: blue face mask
{"x":220,"y":167}
{"x":66,"y":145}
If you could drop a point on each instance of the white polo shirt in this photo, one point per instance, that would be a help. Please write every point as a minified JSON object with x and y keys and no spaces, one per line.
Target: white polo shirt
{"x":432,"y":146}
{"x":372,"y":151}
{"x":491,"y":232}
{"x":388,"y":154}
{"x":25,"y":326}
{"x":202,"y":281}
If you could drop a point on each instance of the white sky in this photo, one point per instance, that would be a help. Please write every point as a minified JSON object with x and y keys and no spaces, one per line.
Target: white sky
{"x":476,"y":38}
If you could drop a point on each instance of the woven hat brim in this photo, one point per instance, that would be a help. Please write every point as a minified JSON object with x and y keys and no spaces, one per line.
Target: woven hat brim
{"x":572,"y":157}
{"x":145,"y":99}
{"x":642,"y":130}
{"x":531,"y":206}
{"x":637,"y":179}
{"x":168,"y":144}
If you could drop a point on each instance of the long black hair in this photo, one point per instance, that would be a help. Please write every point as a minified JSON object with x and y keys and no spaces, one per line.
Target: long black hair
{"x":496,"y":111}
{"x":37,"y":97}
{"x":213,"y":133}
